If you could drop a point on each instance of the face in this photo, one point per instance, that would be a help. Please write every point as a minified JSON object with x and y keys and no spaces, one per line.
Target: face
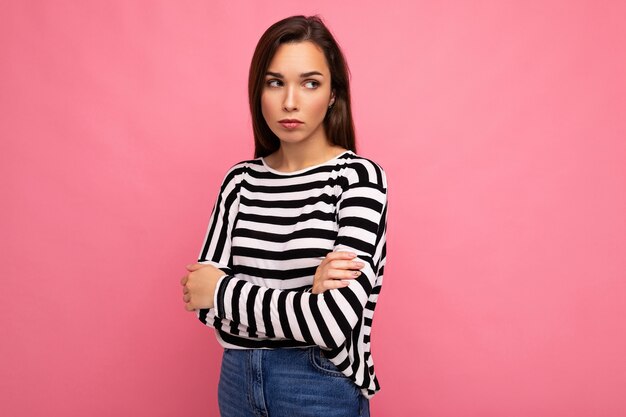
{"x":297,"y":87}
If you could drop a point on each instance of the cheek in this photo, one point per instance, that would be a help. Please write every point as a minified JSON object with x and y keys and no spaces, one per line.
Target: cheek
{"x":266,"y":106}
{"x":319,"y":105}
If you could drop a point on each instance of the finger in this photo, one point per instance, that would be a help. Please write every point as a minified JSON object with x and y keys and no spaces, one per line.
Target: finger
{"x":332,"y":284}
{"x":332,"y":256}
{"x":342,"y":264}
{"x":195,"y":267}
{"x":342,"y":274}
{"x":340,"y":255}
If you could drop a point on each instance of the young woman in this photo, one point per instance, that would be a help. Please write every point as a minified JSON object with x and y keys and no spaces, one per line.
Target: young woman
{"x":293,"y":259}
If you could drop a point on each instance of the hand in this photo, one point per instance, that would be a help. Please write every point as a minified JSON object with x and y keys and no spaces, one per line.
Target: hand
{"x":335,"y":271}
{"x":199,"y":286}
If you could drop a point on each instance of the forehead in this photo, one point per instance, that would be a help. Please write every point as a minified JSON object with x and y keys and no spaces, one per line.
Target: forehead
{"x":298,"y":57}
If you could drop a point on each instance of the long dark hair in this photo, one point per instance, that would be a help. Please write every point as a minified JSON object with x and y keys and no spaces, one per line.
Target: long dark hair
{"x":338,"y":124}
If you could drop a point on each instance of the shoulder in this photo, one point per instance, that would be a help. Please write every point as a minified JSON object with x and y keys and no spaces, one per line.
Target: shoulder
{"x":237,"y":171}
{"x":364,"y":170}
{"x":234,"y":175}
{"x":245,"y":165}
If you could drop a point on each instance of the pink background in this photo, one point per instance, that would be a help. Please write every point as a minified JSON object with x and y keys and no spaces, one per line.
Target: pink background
{"x":501,"y":126}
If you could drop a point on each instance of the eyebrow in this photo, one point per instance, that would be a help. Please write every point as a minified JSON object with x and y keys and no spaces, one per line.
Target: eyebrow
{"x":303,"y":75}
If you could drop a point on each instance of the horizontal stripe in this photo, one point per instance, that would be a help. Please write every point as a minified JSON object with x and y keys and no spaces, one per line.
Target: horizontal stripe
{"x":284,"y":220}
{"x":288,"y":229}
{"x":288,"y":255}
{"x":283,"y":203}
{"x":277,"y":237}
{"x":297,"y":187}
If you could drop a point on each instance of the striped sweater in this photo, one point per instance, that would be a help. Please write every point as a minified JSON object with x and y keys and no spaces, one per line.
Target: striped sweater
{"x":269,"y":231}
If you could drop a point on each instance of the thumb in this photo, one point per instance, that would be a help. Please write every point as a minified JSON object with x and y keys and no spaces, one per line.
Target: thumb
{"x":194,"y":267}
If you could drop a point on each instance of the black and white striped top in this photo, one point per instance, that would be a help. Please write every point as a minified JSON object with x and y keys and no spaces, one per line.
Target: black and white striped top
{"x":269,"y":231}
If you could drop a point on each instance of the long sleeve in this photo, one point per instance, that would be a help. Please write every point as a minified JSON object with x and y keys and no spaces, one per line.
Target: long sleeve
{"x":329,"y":318}
{"x":217,"y":241}
{"x":216,"y":251}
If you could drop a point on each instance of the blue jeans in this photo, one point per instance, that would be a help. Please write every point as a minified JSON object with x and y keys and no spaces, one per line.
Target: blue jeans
{"x":293,"y":382}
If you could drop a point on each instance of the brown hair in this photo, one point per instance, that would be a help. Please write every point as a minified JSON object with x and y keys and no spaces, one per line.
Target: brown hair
{"x":338,"y":124}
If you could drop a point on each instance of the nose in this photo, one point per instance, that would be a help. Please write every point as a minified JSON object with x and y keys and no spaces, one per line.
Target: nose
{"x":290,"y":101}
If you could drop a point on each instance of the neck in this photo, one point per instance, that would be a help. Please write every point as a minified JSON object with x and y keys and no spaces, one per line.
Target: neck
{"x":297,"y":156}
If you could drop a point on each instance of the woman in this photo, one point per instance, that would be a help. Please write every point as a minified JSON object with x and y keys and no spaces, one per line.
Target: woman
{"x":293,"y":259}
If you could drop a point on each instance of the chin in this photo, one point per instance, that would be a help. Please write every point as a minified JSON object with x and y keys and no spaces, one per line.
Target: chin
{"x":290,"y":138}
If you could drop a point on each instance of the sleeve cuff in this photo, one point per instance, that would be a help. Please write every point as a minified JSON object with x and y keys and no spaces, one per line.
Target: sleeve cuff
{"x":218,"y":296}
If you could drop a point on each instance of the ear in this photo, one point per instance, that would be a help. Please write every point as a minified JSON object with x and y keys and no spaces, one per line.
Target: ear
{"x":332,"y":98}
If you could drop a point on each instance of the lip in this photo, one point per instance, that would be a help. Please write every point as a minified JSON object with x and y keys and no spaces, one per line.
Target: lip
{"x":290,"y":123}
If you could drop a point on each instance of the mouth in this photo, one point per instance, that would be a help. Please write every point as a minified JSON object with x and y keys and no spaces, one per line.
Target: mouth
{"x":290,"y":123}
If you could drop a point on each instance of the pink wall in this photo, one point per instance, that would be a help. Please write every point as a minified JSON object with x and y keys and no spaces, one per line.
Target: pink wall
{"x":501,"y":126}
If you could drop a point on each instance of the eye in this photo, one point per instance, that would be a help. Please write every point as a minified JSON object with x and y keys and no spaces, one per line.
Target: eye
{"x":273,"y":83}
{"x":313,"y":82}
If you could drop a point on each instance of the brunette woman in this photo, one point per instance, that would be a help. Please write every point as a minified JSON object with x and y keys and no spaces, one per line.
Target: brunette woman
{"x":293,"y":259}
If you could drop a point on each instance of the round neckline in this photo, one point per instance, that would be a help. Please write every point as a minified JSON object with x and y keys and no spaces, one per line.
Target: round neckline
{"x":270,"y":169}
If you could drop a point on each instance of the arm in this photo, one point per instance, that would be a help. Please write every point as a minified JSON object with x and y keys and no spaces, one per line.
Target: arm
{"x":324,"y":319}
{"x":217,"y":241}
{"x":335,"y":271}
